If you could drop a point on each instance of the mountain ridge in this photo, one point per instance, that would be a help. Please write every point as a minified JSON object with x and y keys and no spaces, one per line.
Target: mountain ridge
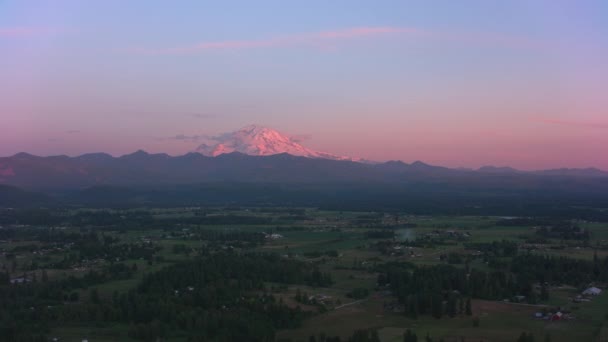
{"x":142,"y":168}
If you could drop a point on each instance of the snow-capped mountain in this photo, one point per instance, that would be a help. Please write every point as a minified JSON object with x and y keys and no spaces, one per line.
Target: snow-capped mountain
{"x":260,"y":141}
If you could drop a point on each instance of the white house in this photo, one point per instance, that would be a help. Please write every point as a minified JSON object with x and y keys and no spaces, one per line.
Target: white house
{"x":592,"y":291}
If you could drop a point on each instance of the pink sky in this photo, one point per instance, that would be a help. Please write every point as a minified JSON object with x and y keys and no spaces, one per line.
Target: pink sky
{"x":519,"y":84}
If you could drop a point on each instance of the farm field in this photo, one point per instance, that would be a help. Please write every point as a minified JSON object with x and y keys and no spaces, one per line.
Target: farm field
{"x":364,"y":272}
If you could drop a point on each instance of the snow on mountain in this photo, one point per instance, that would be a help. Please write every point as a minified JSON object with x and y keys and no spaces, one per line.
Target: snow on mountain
{"x":260,"y":141}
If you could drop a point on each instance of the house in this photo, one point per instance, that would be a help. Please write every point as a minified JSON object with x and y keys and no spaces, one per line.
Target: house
{"x":272,"y":236}
{"x":319,"y":298}
{"x":19,"y":280}
{"x":579,"y":299}
{"x":519,"y":299}
{"x":556,"y":316}
{"x":592,"y":291}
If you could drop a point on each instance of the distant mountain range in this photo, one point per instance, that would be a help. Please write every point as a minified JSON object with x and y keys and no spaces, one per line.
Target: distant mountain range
{"x":586,"y":172}
{"x":144,"y":169}
{"x":250,"y":154}
{"x":235,"y":179}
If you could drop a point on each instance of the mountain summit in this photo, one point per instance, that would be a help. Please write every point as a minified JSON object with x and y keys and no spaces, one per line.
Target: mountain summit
{"x":260,"y":141}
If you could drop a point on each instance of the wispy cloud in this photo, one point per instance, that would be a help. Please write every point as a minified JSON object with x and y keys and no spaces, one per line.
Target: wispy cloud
{"x":282,"y":41}
{"x":583,"y":124}
{"x":72,"y":131}
{"x":301,"y":137}
{"x":324,"y":39}
{"x":185,"y":138}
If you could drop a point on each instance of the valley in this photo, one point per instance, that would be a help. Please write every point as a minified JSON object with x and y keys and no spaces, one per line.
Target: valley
{"x":75,"y":274}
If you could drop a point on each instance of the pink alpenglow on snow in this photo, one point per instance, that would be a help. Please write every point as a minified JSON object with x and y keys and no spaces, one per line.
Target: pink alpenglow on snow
{"x":260,"y":141}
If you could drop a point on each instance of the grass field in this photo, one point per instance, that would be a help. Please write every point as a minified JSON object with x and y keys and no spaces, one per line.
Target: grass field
{"x":353,"y":267}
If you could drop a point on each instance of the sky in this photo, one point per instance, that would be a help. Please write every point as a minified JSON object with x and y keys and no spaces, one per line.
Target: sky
{"x":452,"y":83}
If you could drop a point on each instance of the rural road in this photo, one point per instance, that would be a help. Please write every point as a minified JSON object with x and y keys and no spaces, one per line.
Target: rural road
{"x":351,"y":303}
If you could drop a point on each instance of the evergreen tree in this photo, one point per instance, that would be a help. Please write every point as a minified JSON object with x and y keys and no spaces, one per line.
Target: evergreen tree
{"x":544,"y":292}
{"x":460,"y":306}
{"x":437,"y":306}
{"x":410,"y":336}
{"x":451,"y":304}
{"x":524,"y":337}
{"x":374,"y":336}
{"x":412,"y":306}
{"x":94,"y":296}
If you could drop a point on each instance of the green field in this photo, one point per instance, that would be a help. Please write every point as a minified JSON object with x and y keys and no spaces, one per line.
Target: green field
{"x":339,"y":244}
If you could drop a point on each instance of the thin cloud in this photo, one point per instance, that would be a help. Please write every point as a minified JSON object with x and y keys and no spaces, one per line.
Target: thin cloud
{"x":186,"y":138}
{"x":583,"y":124}
{"x":301,"y":137}
{"x":325,"y":39}
{"x":73,"y":131}
{"x":282,"y":41}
